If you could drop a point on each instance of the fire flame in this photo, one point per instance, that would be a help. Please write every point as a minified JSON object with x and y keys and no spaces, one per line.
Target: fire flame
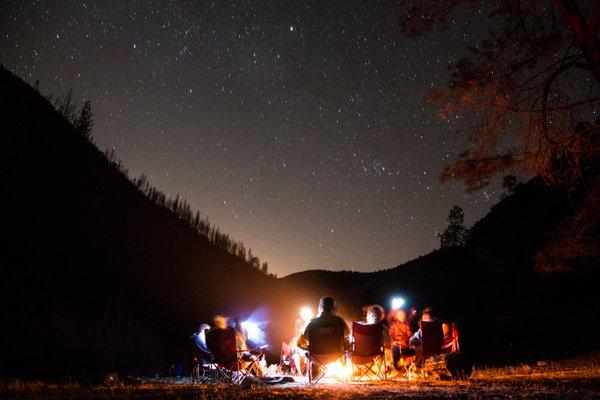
{"x":339,"y":370}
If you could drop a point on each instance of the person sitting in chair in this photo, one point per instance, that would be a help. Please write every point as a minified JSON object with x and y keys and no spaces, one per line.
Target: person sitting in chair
{"x":297,"y":354}
{"x":220,"y":322}
{"x":375,"y":314}
{"x":326,"y":316}
{"x":201,"y":352}
{"x":426,"y":316}
{"x":245,"y":354}
{"x":400,"y":334}
{"x":429,"y":339}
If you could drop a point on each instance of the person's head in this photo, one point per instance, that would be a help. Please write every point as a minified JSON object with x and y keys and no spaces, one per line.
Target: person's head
{"x":427,"y":315}
{"x":220,"y":321}
{"x":326,"y":304}
{"x":203,"y":328}
{"x":401,"y":316}
{"x":374,"y":314}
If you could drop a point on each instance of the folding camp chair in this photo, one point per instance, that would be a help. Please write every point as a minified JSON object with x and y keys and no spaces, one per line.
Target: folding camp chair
{"x":432,"y":342}
{"x":452,"y":346}
{"x":368,"y":351}
{"x":227,"y":357}
{"x":325,"y":346}
{"x":432,"y":339}
{"x":291,"y":360}
{"x":285,"y":359}
{"x":202,"y":370}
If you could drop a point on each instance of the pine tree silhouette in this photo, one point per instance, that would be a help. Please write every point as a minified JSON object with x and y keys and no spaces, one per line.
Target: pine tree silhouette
{"x":85,"y":121}
{"x":510,"y":184}
{"x":456,"y":234}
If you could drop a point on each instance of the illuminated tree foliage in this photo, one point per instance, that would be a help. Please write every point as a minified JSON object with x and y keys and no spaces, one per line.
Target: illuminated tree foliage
{"x":528,"y":95}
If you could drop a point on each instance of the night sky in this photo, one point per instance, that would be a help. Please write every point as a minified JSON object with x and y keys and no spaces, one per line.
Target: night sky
{"x":297,"y":126}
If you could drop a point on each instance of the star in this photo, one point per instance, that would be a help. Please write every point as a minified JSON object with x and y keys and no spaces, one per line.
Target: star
{"x":324,"y":134}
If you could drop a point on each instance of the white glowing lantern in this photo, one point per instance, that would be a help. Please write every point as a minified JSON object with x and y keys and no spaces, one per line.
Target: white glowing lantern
{"x":306,"y":313}
{"x":397,"y":303}
{"x":252,"y":330}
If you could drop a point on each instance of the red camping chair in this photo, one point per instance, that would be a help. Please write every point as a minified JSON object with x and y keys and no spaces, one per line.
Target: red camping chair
{"x":431,"y":344}
{"x":325,"y":345}
{"x":451,"y":344}
{"x":368,"y":351}
{"x":223,"y":346}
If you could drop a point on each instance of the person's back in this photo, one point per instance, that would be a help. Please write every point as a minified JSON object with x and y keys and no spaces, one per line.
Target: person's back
{"x":399,"y":329}
{"x":325,"y":321}
{"x":221,"y":340}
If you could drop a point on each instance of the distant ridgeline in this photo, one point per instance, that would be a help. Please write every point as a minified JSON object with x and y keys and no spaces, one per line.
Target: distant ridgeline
{"x":182,"y":210}
{"x":83,"y":123}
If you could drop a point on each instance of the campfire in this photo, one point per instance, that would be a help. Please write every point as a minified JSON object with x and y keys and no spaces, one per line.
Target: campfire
{"x":339,"y":370}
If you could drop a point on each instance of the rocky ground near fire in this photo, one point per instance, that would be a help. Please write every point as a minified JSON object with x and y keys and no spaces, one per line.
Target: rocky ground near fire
{"x":572,"y":379}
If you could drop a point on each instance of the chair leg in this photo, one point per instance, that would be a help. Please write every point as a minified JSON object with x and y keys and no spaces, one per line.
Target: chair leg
{"x":321,"y":371}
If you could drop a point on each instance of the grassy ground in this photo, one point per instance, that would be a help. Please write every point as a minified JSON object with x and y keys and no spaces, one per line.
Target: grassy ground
{"x":574,"y":379}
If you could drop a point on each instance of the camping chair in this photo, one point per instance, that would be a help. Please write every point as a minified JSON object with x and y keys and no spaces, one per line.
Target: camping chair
{"x":285,"y":359}
{"x":368,"y":351}
{"x":325,"y":346}
{"x":432,"y":342}
{"x":452,"y":346}
{"x":432,"y":339}
{"x":204,"y":372}
{"x":223,"y":346}
{"x":201,"y":367}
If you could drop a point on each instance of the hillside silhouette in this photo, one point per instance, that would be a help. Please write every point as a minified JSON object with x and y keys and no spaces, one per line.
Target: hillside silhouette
{"x":99,"y":276}
{"x":95,"y":275}
{"x":505,"y":308}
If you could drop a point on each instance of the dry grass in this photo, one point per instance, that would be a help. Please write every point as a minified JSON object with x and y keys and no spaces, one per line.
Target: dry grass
{"x":574,"y":379}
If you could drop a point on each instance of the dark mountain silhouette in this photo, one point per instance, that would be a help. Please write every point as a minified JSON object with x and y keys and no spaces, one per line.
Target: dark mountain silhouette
{"x":505,"y":309}
{"x":96,"y":277}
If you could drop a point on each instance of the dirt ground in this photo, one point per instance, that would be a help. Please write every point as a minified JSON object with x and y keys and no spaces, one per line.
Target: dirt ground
{"x":573,"y":379}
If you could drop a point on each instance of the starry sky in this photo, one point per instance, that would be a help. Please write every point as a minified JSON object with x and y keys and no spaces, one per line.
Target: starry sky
{"x":298,"y":127}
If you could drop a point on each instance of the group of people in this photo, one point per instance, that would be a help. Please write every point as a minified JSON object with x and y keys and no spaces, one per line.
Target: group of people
{"x":401,"y":331}
{"x":401,"y":334}
{"x":203,"y":355}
